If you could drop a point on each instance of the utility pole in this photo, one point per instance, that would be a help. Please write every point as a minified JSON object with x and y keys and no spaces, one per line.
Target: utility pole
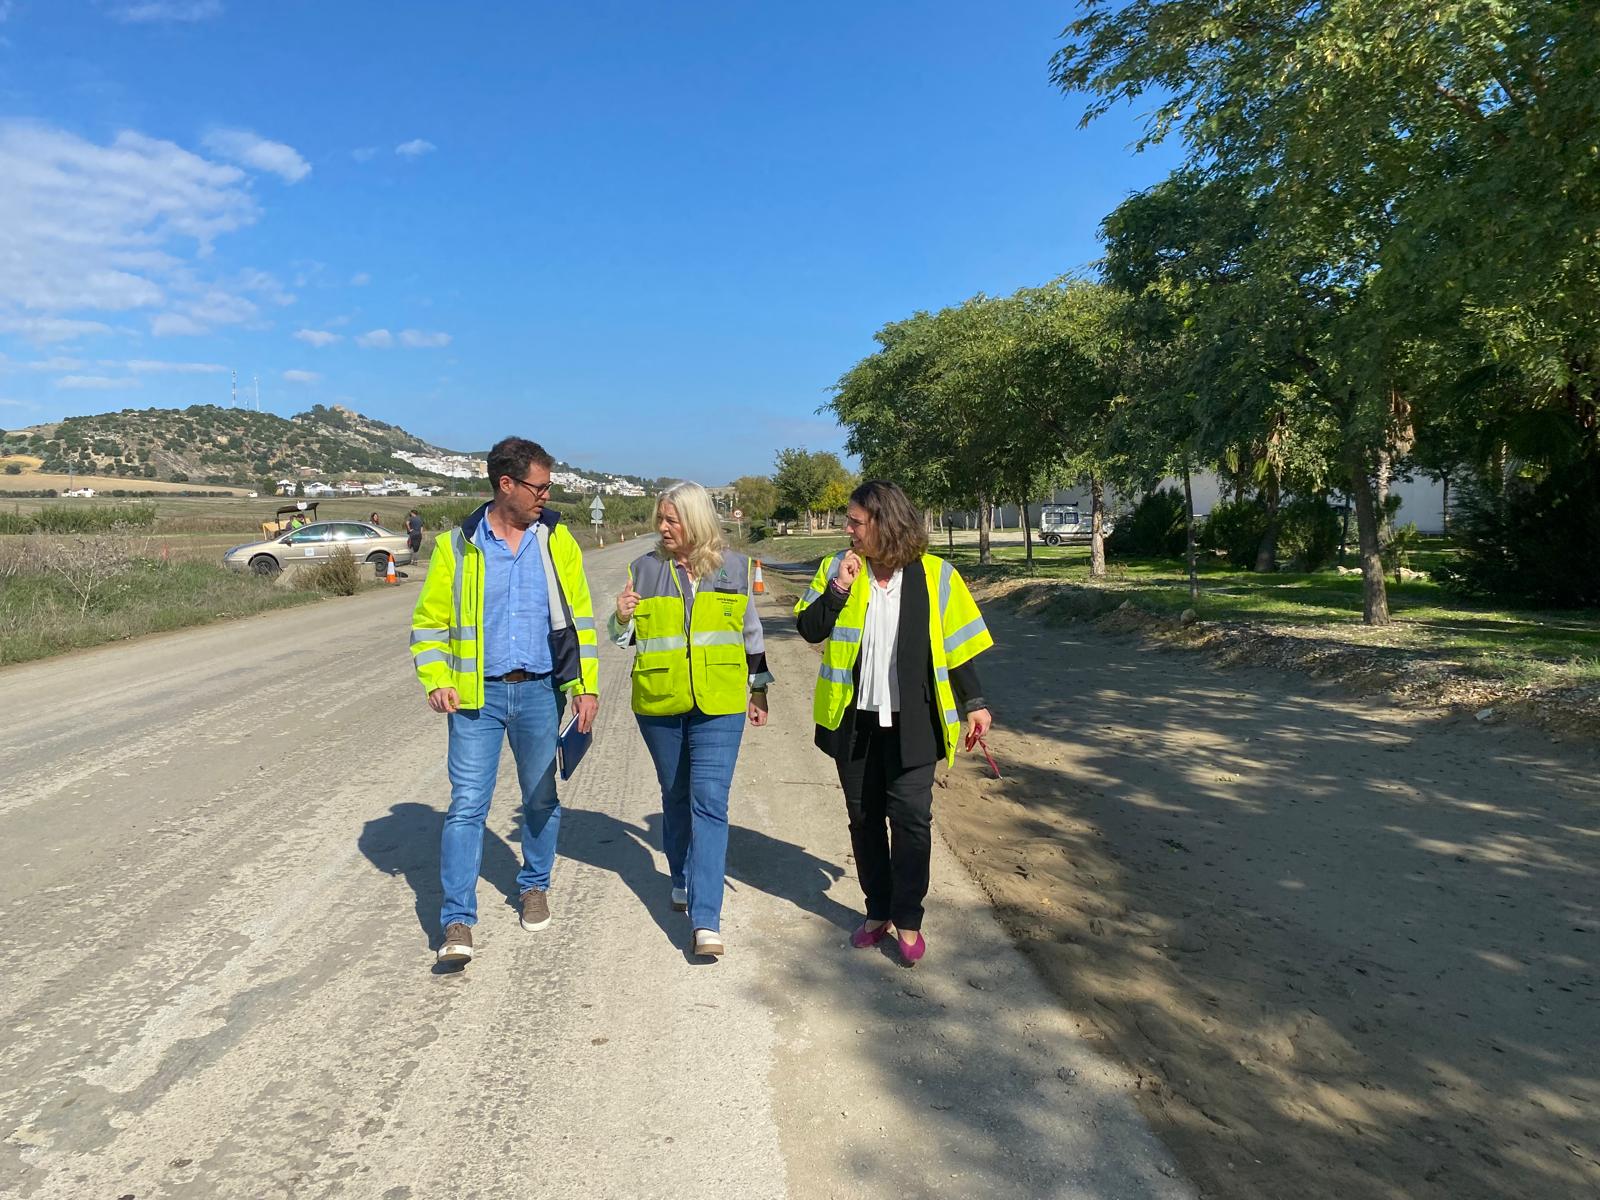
{"x":256,"y":379}
{"x":233,"y":393}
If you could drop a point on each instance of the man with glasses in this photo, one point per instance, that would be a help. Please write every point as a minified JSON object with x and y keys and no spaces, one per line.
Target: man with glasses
{"x":502,"y":635}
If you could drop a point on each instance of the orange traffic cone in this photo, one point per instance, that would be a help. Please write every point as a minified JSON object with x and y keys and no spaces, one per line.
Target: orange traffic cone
{"x":760,"y":587}
{"x":391,"y":577}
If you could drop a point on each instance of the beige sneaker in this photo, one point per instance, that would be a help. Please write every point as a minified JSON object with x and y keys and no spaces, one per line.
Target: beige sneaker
{"x":535,"y":910}
{"x":457,"y":945}
{"x":708,"y":942}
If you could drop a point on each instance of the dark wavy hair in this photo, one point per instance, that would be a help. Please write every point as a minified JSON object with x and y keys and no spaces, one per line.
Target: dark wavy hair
{"x":902,"y":538}
{"x":513,"y":456}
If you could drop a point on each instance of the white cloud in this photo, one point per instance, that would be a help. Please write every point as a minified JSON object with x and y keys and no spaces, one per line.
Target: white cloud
{"x":364,"y":153}
{"x":360,"y":279}
{"x":301,"y":376}
{"x":175,"y":325}
{"x":139,"y":11}
{"x":89,"y":228}
{"x":422,"y":339}
{"x":54,"y":364}
{"x":46,"y":329}
{"x":4,"y":403}
{"x":252,"y":150}
{"x":145,"y":366}
{"x":376,"y":339}
{"x":317,"y":337}
{"x":93,"y":383}
{"x":415,"y":148}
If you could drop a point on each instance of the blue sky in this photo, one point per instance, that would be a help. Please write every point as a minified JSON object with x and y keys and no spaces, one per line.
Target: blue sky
{"x":649,"y":235}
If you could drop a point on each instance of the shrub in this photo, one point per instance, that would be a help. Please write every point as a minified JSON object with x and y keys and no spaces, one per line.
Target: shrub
{"x":76,"y":518}
{"x":1309,"y":529}
{"x":13,"y":468}
{"x":339,"y":576}
{"x":445,"y":514}
{"x":1401,"y":545}
{"x":1234,"y":530}
{"x":13,"y":522}
{"x":1154,"y":530}
{"x":1533,"y":541}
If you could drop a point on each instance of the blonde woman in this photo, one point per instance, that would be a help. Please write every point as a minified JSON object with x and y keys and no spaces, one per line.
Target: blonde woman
{"x":699,"y":672}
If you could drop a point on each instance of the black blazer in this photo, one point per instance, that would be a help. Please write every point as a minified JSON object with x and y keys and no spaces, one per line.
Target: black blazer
{"x":921,"y":727}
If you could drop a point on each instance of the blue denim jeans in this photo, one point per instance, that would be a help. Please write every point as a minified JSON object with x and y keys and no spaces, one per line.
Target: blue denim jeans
{"x":694,"y":756}
{"x":528,"y":715}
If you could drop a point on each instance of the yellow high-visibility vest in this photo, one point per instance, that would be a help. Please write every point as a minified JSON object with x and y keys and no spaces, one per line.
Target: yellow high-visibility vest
{"x":956,"y":634}
{"x":700,"y":663}
{"x":447,"y":626}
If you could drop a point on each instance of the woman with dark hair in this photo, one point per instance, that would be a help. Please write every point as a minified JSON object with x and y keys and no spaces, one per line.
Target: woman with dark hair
{"x":897,"y":671}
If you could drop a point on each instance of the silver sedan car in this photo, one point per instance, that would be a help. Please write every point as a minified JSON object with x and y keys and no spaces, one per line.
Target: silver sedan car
{"x":316,"y":543}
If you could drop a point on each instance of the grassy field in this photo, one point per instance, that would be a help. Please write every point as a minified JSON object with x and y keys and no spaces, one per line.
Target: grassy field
{"x":49,"y":605}
{"x":225,"y":514}
{"x":34,"y":480}
{"x":1516,"y":647}
{"x":1512,"y":647}
{"x":166,"y":576}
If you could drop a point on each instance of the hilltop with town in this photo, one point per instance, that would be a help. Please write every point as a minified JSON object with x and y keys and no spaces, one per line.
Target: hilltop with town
{"x":324,"y":451}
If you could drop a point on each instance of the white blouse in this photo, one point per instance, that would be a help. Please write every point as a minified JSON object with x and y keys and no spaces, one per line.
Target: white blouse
{"x":880,"y":682}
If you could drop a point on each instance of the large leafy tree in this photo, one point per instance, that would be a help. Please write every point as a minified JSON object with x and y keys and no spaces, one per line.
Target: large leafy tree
{"x":1407,"y":162}
{"x":757,"y":496}
{"x":802,"y":478}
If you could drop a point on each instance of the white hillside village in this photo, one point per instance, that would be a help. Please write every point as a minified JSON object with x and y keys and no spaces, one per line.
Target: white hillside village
{"x":451,"y":466}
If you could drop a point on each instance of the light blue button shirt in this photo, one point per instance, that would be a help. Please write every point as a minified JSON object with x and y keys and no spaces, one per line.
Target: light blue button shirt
{"x":516,"y":604}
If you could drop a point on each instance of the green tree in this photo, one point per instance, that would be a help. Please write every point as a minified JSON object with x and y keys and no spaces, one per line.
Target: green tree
{"x":802,"y":477}
{"x":835,"y":497}
{"x":1409,"y":166}
{"x":757,"y":496}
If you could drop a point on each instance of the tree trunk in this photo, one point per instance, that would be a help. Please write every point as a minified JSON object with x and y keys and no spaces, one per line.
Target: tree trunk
{"x":1188,"y":529}
{"x":1444,"y":502}
{"x":1097,"y":535}
{"x":1267,"y":554}
{"x":985,"y":523}
{"x":1027,"y":534}
{"x":811,"y":521}
{"x":1374,"y":591}
{"x":1385,"y":474}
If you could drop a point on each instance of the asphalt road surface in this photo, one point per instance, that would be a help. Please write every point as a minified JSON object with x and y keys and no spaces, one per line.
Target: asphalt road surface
{"x":219,"y":900}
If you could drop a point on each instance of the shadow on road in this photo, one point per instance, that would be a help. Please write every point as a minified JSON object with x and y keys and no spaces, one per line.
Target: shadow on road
{"x":755,"y":860}
{"x":405,"y":842}
{"x":1351,"y":955}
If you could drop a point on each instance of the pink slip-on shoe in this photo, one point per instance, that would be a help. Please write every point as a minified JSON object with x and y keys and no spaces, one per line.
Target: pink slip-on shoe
{"x":863,"y":937}
{"x":911,"y":952}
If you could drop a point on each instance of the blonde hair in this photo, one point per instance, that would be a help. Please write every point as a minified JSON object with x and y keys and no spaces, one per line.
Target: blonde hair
{"x":702,"y":528}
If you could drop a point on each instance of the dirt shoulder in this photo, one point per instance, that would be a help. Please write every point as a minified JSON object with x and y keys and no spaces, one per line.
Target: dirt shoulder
{"x":1351,"y":948}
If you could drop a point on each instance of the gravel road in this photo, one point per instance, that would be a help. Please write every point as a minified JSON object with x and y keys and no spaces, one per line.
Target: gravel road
{"x":222,"y":852}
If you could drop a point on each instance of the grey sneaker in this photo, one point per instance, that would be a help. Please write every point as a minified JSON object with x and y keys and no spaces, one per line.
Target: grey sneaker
{"x":457,"y":945}
{"x":535,"y":910}
{"x":680,"y":899}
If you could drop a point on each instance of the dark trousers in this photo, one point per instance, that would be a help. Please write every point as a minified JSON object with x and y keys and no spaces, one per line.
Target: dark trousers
{"x":891,"y":822}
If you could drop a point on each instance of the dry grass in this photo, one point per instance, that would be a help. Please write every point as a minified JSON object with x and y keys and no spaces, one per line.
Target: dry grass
{"x":67,"y":593}
{"x":33,"y":480}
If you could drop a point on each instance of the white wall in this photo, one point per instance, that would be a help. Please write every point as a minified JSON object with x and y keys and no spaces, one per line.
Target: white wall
{"x":1421,"y":502}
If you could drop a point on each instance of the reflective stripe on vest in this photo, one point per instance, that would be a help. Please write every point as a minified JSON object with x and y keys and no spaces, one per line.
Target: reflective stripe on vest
{"x":955,"y":612}
{"x":694,"y":663}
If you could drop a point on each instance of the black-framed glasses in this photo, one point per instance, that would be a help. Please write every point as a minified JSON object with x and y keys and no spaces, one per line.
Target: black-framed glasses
{"x":540,"y":490}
